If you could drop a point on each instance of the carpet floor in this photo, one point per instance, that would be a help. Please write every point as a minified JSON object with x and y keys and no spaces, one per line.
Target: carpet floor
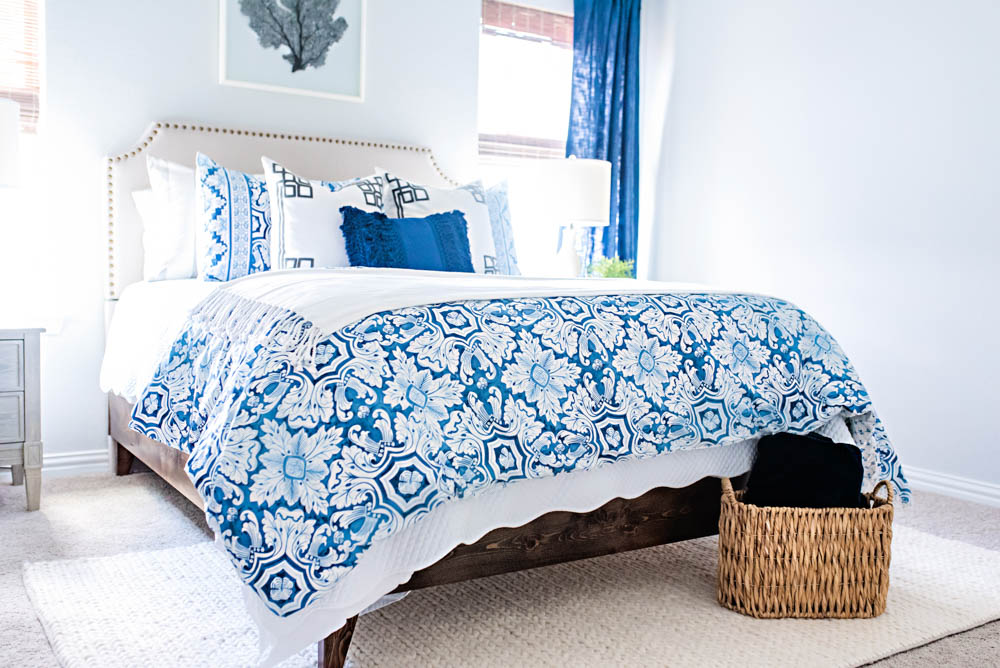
{"x":100,"y":515}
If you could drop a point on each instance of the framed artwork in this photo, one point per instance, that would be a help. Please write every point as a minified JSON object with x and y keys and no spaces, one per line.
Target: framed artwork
{"x":306,"y":47}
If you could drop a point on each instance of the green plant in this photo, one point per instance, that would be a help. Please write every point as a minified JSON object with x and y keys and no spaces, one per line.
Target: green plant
{"x":612,"y":267}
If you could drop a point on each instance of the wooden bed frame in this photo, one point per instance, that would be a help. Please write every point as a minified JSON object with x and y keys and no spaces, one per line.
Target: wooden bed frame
{"x":662,"y":515}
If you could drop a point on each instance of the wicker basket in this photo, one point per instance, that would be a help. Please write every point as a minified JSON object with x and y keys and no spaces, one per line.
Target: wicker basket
{"x":804,"y":562}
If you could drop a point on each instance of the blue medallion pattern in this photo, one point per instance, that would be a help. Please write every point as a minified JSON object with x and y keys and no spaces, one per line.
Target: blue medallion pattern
{"x":309,"y":446}
{"x":236,"y":215}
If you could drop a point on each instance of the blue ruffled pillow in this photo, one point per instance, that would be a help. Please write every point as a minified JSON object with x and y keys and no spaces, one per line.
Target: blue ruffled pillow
{"x":234,"y":211}
{"x":438,"y":242}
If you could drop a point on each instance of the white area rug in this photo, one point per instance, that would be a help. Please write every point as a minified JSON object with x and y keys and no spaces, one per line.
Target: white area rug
{"x":654,"y":607}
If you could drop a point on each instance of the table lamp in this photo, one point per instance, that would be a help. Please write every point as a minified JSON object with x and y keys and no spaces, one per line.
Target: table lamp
{"x":582,"y":187}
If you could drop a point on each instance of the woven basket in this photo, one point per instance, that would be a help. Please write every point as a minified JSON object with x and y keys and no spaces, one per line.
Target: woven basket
{"x":804,"y":562}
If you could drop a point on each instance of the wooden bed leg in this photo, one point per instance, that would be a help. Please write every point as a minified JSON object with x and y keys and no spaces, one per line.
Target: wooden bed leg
{"x":123,"y":460}
{"x":333,"y":650}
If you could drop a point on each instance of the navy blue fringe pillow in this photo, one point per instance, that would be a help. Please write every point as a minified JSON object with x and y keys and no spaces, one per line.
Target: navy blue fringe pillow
{"x":438,"y":242}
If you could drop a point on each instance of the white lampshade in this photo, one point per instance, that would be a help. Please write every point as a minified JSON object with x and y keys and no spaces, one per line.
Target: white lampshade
{"x":10,"y":113}
{"x":583,"y":189}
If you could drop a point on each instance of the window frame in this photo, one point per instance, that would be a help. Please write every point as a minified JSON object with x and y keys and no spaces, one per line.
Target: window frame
{"x":518,"y":21}
{"x":22,"y":18}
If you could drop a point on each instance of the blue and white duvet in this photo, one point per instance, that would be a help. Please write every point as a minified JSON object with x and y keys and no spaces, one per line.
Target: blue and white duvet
{"x":326,"y":410}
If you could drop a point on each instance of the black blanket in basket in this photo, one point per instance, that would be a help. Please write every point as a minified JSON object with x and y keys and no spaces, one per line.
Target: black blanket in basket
{"x":805,"y":472}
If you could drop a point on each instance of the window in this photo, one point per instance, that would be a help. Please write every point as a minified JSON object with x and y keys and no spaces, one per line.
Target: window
{"x":19,"y":58}
{"x":525,"y":81}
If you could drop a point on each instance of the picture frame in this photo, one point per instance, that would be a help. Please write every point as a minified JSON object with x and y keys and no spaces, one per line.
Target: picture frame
{"x":245,"y":63}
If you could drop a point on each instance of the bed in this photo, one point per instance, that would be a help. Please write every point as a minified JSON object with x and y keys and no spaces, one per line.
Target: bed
{"x":554,"y":512}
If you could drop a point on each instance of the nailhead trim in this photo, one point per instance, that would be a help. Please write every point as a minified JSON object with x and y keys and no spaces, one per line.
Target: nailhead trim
{"x":155,"y":130}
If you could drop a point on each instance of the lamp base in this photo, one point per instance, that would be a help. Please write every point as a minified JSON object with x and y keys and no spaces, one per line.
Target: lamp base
{"x":580,"y":245}
{"x":567,"y":264}
{"x":572,"y":259}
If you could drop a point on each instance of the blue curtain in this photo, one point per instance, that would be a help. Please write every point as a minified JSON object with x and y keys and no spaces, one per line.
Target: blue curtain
{"x":604,"y":112}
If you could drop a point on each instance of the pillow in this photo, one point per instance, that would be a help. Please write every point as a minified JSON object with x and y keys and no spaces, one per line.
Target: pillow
{"x":144,"y":202}
{"x":438,"y":242}
{"x":306,"y":216}
{"x":234,"y":214}
{"x":168,"y":227}
{"x":146,"y":207}
{"x":503,"y":234}
{"x":410,"y":200}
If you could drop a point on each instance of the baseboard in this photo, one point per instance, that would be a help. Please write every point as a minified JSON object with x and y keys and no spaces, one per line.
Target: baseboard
{"x":75,"y":463}
{"x":968,"y":489}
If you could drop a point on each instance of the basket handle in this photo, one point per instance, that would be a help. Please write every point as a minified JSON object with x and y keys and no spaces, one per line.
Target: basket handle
{"x":883,"y":484}
{"x":727,"y":490}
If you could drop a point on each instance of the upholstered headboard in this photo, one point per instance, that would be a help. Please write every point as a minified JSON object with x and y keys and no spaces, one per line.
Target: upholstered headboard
{"x":316,"y":157}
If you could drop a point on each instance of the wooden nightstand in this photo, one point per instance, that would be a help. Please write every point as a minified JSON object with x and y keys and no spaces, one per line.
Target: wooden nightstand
{"x":20,"y":413}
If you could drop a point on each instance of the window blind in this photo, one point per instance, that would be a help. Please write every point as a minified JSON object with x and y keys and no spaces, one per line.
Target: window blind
{"x":19,"y":54}
{"x":514,"y":20}
{"x":513,"y":146}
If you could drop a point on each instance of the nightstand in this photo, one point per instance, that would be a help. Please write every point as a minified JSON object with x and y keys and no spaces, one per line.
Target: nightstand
{"x":20,"y":413}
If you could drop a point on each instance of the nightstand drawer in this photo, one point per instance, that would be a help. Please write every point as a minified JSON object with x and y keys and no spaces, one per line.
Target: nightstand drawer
{"x":11,"y":365}
{"x":11,"y":417}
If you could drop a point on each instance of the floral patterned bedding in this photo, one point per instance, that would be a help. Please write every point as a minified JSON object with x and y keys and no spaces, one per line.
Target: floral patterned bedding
{"x":309,"y":445}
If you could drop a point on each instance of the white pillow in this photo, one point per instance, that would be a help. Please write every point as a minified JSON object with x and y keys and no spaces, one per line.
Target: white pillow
{"x":404,"y":199}
{"x":168,"y":229}
{"x":306,"y":218}
{"x":145,"y":204}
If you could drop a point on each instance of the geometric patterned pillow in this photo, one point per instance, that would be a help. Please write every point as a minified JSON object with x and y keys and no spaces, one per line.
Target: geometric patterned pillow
{"x":306,"y":217}
{"x":406,"y":199}
{"x":234,"y":213}
{"x":503,"y":234}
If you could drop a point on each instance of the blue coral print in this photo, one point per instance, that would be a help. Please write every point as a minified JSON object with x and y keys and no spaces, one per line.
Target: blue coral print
{"x":308,"y":446}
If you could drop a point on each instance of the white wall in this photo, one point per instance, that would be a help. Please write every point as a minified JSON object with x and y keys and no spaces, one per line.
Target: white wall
{"x":846,"y":155}
{"x":111,"y":67}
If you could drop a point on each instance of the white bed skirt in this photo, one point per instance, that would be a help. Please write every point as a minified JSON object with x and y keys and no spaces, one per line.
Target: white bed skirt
{"x":391,"y":562}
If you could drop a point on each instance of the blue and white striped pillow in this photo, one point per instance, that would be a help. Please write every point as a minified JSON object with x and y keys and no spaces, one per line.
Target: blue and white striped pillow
{"x":503,"y":234}
{"x":235,"y":217}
